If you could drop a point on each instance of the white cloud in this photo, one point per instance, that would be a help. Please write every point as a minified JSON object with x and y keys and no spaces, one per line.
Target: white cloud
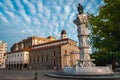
{"x":36,"y":21}
{"x":23,"y":31}
{"x":39,"y":6}
{"x":47,"y":12}
{"x":92,"y":7}
{"x":0,"y":4}
{"x":58,"y":8}
{"x":37,"y":17}
{"x":10,"y":14}
{"x":67,"y":9}
{"x":22,"y":18}
{"x":10,"y":6}
{"x":3,"y":18}
{"x":25,"y":17}
{"x":62,"y":23}
{"x":88,"y":6}
{"x":30,"y":31}
{"x":31,"y":6}
{"x":19,"y":4}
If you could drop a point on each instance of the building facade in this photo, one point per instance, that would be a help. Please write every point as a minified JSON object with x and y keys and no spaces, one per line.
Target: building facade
{"x":56,"y":54}
{"x":18,"y":60}
{"x":3,"y":50}
{"x":43,"y":53}
{"x":30,"y":41}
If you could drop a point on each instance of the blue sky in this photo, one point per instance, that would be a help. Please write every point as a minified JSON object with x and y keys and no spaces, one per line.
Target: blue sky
{"x":20,"y":19}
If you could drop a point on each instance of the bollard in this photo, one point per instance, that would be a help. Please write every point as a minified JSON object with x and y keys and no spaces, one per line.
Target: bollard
{"x":35,"y":78}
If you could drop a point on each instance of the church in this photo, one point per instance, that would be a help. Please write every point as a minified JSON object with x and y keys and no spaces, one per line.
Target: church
{"x":44,"y":53}
{"x":56,"y":54}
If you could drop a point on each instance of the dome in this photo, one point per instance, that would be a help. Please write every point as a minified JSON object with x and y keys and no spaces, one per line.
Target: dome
{"x":63,"y":32}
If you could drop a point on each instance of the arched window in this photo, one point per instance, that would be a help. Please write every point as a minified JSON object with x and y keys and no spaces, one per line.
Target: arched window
{"x":65,"y":51}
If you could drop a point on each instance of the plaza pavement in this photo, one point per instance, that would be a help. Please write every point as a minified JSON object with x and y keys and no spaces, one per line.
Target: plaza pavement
{"x":30,"y":75}
{"x":26,"y":75}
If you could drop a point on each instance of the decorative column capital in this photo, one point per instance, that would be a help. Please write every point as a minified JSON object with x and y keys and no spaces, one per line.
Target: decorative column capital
{"x":76,"y":21}
{"x":81,"y":19}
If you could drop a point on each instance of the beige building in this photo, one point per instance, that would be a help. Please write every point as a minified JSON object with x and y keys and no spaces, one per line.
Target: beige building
{"x":56,"y":54}
{"x":18,"y":57}
{"x":43,"y":53}
{"x":30,"y":41}
{"x":3,"y":50}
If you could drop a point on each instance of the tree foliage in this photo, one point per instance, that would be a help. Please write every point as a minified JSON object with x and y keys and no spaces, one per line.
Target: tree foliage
{"x":103,"y":59}
{"x":105,"y":27}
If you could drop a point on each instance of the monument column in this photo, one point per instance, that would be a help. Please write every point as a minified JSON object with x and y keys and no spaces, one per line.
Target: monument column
{"x":85,"y":66}
{"x":82,"y":35}
{"x":81,"y":22}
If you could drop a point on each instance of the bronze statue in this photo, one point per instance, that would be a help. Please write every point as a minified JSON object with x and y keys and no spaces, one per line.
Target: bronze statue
{"x":80,"y":9}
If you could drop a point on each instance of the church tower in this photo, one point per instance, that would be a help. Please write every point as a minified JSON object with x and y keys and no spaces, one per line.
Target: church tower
{"x":63,"y":34}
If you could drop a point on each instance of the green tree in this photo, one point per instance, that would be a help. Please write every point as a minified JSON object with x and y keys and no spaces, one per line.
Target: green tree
{"x":103,"y":59}
{"x":105,"y":27}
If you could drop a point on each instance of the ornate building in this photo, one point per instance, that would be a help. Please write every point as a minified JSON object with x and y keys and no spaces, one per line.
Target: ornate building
{"x":30,"y":41}
{"x":56,"y":54}
{"x":18,"y":58}
{"x":3,"y":49}
{"x":43,"y":53}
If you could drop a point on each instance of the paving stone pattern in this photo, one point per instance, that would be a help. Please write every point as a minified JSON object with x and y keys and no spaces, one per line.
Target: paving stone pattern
{"x":26,"y":75}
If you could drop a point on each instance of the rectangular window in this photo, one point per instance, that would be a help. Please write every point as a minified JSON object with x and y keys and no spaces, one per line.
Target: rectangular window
{"x":54,"y":63}
{"x":46,"y":58}
{"x":37,"y":58}
{"x":42,"y":58}
{"x":54,"y":53}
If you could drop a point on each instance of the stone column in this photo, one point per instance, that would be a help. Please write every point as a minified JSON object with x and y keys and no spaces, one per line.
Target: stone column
{"x":10,"y":66}
{"x":82,"y":35}
{"x":7,"y":66}
{"x":22,"y":65}
{"x":19,"y":66}
{"x":66,"y":60}
{"x":81,"y":22}
{"x":13,"y":66}
{"x":16,"y":65}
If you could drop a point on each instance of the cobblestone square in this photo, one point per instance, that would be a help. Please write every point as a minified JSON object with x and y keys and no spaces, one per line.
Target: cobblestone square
{"x":26,"y":75}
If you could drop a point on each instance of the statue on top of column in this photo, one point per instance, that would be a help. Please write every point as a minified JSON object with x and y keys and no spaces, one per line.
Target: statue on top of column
{"x":80,"y":8}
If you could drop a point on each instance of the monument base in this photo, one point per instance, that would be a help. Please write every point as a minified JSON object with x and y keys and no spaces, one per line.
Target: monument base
{"x":85,"y":63}
{"x":88,"y":70}
{"x":93,"y":71}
